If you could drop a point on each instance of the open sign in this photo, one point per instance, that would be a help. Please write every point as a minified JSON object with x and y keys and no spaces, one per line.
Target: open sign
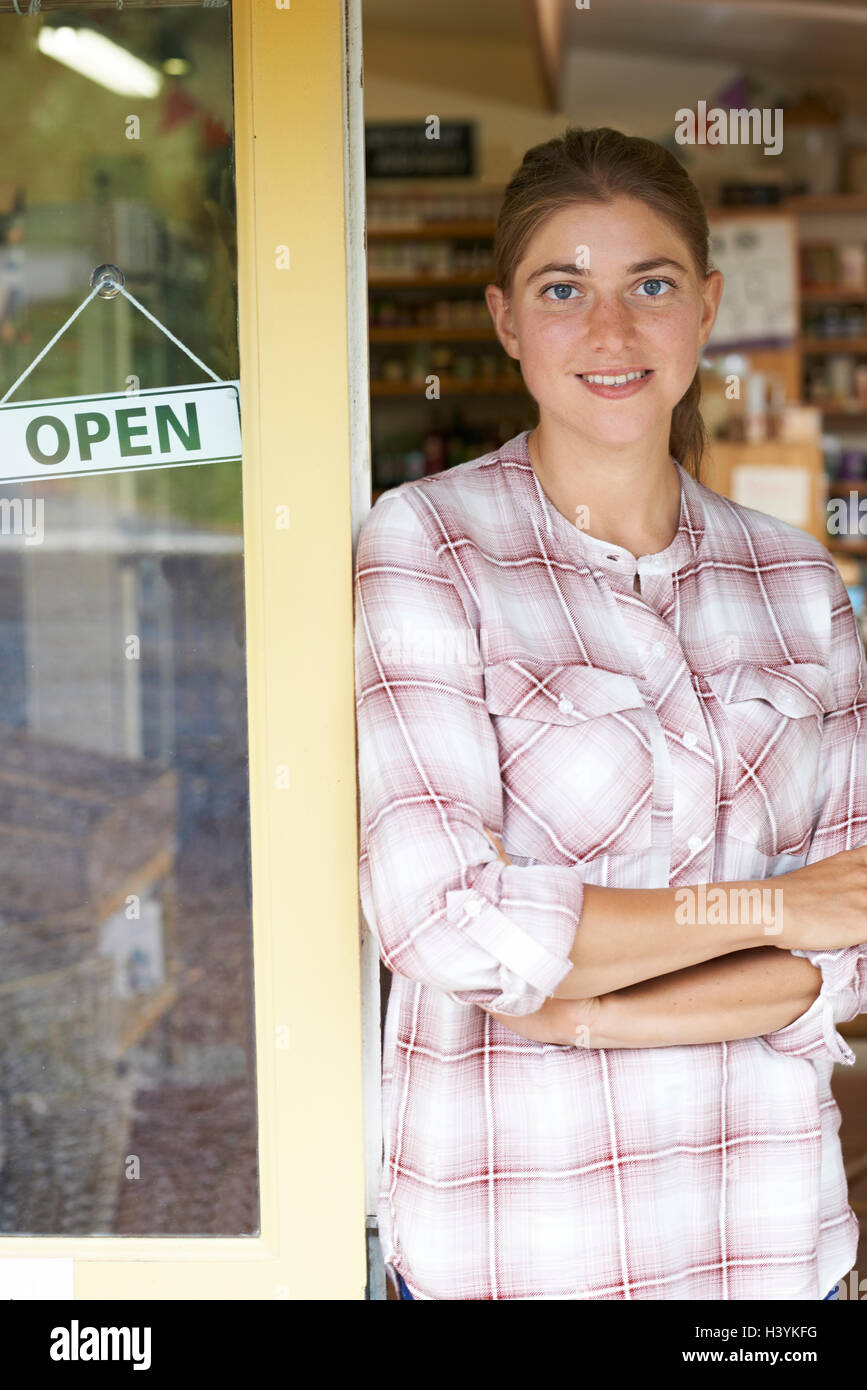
{"x":163,"y":428}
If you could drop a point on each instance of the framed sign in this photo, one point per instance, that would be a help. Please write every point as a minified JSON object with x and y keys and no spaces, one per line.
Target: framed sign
{"x":430,"y":149}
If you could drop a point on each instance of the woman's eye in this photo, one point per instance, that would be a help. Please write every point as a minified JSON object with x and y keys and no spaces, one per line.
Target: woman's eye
{"x":656,"y":288}
{"x":561,"y":298}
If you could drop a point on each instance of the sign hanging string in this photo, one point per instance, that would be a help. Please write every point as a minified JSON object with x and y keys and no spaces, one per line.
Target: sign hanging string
{"x":100,"y":287}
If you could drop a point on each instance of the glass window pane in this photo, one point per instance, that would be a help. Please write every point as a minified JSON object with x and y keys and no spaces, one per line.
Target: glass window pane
{"x":127,"y":1067}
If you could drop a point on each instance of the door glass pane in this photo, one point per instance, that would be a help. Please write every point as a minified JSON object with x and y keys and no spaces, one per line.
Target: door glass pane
{"x":127,"y":1067}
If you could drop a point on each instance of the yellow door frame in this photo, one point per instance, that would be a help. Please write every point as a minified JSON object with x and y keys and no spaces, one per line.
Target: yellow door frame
{"x":298,"y":405}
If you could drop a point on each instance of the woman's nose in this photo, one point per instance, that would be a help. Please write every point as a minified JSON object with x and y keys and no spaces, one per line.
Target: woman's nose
{"x":609,"y":321}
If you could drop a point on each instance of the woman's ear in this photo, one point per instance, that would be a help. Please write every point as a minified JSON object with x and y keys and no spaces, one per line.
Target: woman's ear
{"x":711,"y":293}
{"x":500,"y":310}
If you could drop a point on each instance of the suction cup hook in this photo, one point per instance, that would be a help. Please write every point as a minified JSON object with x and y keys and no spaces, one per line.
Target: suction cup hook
{"x":111,"y":277}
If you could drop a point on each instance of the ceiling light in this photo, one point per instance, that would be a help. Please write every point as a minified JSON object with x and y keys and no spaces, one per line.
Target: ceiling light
{"x":93,"y":55}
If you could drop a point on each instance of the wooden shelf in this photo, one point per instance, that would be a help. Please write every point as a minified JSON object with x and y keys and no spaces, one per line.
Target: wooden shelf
{"x":855,"y":548}
{"x":803,"y":205}
{"x":826,"y":202}
{"x":424,"y":280}
{"x":432,"y":231}
{"x":454,"y":386}
{"x":853,"y":408}
{"x":817,"y":346}
{"x":831,"y":294}
{"x":421,"y":333}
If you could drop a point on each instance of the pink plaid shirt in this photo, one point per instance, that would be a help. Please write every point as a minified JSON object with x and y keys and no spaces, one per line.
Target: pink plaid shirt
{"x":710,"y":728}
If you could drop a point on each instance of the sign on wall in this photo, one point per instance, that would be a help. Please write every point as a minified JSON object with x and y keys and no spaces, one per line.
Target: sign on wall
{"x":759,"y":261}
{"x":169,"y":427}
{"x":421,"y":150}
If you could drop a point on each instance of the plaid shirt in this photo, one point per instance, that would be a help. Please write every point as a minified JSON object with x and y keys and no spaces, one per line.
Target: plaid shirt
{"x":710,"y":728}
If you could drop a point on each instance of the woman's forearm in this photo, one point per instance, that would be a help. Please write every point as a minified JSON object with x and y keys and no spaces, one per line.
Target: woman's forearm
{"x":626,"y":935}
{"x":738,"y":996}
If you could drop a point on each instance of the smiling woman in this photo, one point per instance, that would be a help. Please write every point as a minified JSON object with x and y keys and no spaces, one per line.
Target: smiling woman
{"x":584,"y":1094}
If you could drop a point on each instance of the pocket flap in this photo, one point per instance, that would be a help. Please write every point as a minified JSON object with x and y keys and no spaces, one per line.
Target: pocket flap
{"x":557,"y":692}
{"x":794,"y":688}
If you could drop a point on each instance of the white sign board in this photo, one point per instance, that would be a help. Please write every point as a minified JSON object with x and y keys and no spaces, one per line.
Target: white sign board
{"x":170,"y":427}
{"x":781,"y":491}
{"x":758,"y":260}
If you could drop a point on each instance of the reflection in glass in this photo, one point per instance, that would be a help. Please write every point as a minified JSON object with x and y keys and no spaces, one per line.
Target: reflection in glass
{"x":127,"y":1068}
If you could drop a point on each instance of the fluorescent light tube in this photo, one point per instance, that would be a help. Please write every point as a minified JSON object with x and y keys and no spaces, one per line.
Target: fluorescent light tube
{"x":99,"y":58}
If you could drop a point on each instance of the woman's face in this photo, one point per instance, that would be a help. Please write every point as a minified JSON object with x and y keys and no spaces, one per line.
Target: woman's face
{"x":607,"y":289}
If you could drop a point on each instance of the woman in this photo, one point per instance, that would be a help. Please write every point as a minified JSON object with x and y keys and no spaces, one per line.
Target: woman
{"x":599,"y":706}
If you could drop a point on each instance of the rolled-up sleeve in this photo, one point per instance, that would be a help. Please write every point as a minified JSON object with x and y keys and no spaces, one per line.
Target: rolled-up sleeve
{"x":445,"y":909}
{"x":840,"y":823}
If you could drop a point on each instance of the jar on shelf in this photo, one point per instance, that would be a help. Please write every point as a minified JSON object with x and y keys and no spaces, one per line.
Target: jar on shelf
{"x":813,"y":149}
{"x":841,"y":376}
{"x":853,"y":266}
{"x":441,"y":359}
{"x":418,"y":363}
{"x":465,"y":367}
{"x":851,"y":467}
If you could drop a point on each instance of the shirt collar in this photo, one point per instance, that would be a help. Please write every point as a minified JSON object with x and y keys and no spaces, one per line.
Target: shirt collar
{"x":515,"y":458}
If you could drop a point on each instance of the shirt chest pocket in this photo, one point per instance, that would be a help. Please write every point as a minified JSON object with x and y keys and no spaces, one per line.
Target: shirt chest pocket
{"x":772,"y":726}
{"x":575,"y":760}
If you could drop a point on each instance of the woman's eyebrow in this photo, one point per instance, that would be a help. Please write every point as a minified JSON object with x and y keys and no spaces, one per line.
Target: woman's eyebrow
{"x":639,"y":268}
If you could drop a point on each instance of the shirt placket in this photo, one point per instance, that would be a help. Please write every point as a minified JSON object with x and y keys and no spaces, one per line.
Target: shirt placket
{"x":683,"y":806}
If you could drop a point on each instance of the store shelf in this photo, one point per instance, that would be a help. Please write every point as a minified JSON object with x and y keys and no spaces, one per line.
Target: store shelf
{"x":826,"y":202}
{"x":804,"y":205}
{"x":421,"y":333}
{"x":432,"y":231}
{"x":454,"y":386}
{"x":854,"y":408}
{"x":424,"y":279}
{"x":832,"y":294}
{"x":817,"y":346}
{"x":857,"y":548}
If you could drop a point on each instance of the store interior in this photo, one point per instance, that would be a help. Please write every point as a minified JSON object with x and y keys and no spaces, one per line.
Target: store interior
{"x":454,"y":94}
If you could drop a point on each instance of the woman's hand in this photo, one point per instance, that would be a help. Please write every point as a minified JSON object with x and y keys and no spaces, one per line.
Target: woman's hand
{"x":498,"y":845}
{"x":564,"y":1022}
{"x":824,"y":905}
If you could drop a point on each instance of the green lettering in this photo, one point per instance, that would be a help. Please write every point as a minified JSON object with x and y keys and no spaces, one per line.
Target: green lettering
{"x":86,"y":436}
{"x":125,"y":431}
{"x":166,"y":416}
{"x":32,"y":439}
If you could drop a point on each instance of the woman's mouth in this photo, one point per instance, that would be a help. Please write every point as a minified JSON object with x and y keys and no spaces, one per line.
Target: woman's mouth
{"x":615,"y":385}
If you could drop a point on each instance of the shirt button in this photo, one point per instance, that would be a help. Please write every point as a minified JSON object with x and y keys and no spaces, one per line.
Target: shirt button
{"x":658,"y":649}
{"x":690,"y":739}
{"x":694,"y":843}
{"x":473,"y":907}
{"x":566,"y":705}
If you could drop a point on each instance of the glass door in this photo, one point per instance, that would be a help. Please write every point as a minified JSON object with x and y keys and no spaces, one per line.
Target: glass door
{"x":132,"y":468}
